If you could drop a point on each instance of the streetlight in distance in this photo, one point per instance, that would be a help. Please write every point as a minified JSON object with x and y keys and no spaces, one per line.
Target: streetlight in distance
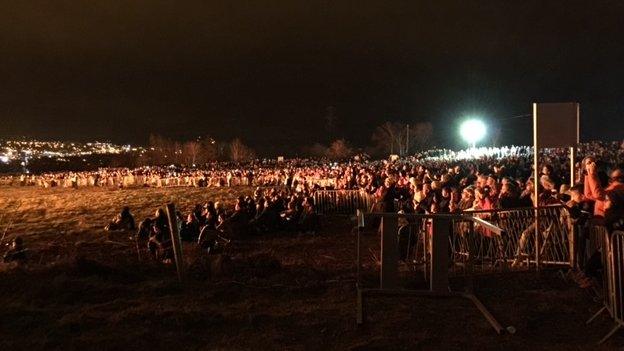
{"x":472,"y":131}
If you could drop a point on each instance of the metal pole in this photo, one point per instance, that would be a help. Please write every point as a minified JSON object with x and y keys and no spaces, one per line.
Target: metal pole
{"x":175,"y":240}
{"x":572,"y":164}
{"x":360,"y":226}
{"x":389,"y":252}
{"x":439,"y":255}
{"x":536,"y":186}
{"x":407,"y":142}
{"x":572,"y":229}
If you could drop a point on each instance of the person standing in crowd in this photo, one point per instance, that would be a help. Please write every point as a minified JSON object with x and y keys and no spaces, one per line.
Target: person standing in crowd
{"x":595,"y":190}
{"x":386,"y":195}
{"x":613,"y":207}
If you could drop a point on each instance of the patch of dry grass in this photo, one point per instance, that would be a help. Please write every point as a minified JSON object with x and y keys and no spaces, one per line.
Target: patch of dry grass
{"x":59,"y":221}
{"x":285,"y":291}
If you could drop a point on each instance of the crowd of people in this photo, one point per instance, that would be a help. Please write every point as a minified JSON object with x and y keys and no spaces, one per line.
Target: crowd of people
{"x":506,"y":167}
{"x":212,"y":224}
{"x":428,"y":183}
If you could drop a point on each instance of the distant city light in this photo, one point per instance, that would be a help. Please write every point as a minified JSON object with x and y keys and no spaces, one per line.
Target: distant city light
{"x":24,"y":150}
{"x":472,"y":131}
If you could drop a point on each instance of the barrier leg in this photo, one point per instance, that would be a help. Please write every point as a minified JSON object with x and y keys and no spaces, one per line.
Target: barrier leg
{"x":360,"y":307}
{"x":613,"y":331}
{"x":596,"y":315}
{"x":175,"y":240}
{"x":484,"y":311}
{"x":358,"y":259}
{"x":389,"y":253}
{"x":439,"y":255}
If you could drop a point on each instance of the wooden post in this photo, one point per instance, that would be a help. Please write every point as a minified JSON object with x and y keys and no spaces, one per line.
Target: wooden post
{"x":388,"y":278}
{"x":175,"y":239}
{"x":439,"y":255}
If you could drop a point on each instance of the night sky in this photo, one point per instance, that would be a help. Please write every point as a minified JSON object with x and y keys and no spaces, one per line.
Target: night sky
{"x":271,"y":73}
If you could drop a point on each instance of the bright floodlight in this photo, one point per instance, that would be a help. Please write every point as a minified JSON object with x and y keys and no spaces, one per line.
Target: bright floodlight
{"x":472,"y":131}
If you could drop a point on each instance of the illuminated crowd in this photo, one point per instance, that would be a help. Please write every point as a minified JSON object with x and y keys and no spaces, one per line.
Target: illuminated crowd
{"x":426,"y":186}
{"x":433,"y":181}
{"x":437,"y":181}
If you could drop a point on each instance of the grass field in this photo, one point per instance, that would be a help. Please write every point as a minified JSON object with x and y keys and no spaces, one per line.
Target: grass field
{"x":86,"y":289}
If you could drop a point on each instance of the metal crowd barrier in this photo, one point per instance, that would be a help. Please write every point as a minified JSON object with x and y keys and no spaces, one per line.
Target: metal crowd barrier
{"x":612,"y":257}
{"x":513,"y":247}
{"x":344,"y":202}
{"x":516,"y":247}
{"x":447,"y":244}
{"x":518,"y":244}
{"x":439,"y":229}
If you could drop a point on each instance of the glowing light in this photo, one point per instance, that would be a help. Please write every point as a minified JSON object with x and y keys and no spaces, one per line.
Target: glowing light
{"x":473,"y":131}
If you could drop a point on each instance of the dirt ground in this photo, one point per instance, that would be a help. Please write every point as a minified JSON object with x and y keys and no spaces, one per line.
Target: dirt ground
{"x":86,"y":289}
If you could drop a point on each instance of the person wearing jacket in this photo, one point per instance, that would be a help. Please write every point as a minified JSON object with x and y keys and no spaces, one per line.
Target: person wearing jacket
{"x":595,"y":191}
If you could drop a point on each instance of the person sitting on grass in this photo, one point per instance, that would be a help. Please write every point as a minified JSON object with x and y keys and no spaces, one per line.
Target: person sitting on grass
{"x":123,"y":221}
{"x":159,"y":244}
{"x":237,"y":225}
{"x":210,"y":214}
{"x":190,"y":228}
{"x":198,"y":213}
{"x":145,"y":229}
{"x":309,"y":222}
{"x":17,"y":252}
{"x":290,"y":217}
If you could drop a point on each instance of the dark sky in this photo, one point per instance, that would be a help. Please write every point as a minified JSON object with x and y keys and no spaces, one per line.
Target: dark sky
{"x":271,"y":71}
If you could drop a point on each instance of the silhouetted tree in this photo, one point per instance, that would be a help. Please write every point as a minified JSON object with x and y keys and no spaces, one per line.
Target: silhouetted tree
{"x":400,"y":138}
{"x":339,"y":149}
{"x":239,"y":152}
{"x":420,"y":136}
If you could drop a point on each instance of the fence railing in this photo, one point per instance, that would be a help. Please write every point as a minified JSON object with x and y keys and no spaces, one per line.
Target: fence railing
{"x":474,"y":241}
{"x":611,"y":247}
{"x":437,"y":231}
{"x":460,"y":244}
{"x":345,"y":202}
{"x":518,"y":243}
